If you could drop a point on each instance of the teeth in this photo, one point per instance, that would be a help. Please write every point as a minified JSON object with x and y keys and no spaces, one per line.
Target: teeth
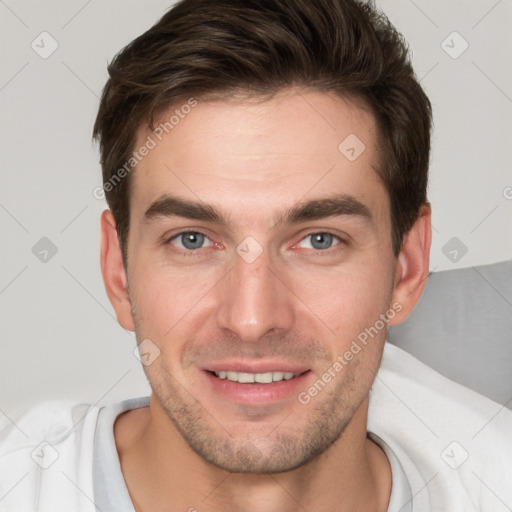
{"x":261,"y":378}
{"x":245,"y":378}
{"x":232,"y":376}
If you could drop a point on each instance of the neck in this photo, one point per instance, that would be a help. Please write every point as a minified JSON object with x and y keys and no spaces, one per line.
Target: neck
{"x":162,"y":472}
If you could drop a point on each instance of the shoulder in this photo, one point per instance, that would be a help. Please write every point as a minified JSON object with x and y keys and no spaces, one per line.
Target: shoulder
{"x":52,"y":421}
{"x":452,"y":441}
{"x":40,"y":447}
{"x":411,"y":385}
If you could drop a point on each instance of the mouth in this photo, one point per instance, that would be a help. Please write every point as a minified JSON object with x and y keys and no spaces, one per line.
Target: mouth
{"x":256,"y":388}
{"x":256,"y":378}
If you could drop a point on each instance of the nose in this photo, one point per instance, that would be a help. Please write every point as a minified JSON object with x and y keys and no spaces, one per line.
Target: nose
{"x":254,"y":300}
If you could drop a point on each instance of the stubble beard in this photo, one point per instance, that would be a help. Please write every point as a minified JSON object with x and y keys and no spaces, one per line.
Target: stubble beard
{"x":283,"y":449}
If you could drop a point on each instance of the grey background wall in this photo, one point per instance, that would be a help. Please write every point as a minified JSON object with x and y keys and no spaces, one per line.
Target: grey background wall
{"x":58,"y":333}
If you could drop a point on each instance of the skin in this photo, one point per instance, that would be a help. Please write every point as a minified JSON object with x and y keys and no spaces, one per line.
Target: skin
{"x":193,"y":449}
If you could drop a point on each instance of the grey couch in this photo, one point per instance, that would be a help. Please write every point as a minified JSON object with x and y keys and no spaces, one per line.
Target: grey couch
{"x":462,"y":327}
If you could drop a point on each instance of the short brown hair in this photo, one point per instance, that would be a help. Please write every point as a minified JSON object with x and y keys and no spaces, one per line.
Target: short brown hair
{"x":259,"y":47}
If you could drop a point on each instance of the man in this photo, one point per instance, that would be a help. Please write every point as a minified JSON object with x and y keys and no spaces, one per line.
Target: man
{"x":265,"y":165}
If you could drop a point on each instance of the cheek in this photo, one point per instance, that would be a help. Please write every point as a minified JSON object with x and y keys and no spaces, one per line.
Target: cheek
{"x":346,"y":301}
{"x":166,"y":298}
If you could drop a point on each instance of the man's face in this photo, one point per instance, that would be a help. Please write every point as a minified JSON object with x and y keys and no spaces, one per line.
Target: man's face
{"x":263,"y":285}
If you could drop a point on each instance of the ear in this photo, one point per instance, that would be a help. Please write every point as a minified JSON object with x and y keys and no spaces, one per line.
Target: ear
{"x":412,"y":265}
{"x":114,"y":274}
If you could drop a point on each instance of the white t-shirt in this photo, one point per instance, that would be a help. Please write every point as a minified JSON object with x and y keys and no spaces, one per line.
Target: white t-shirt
{"x":450,"y":449}
{"x":111,"y":494}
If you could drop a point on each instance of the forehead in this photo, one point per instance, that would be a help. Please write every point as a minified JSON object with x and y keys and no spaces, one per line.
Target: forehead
{"x":250,"y":155}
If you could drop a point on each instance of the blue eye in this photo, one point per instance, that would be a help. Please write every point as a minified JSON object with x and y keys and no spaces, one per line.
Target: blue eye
{"x":321,"y":241}
{"x":190,"y":240}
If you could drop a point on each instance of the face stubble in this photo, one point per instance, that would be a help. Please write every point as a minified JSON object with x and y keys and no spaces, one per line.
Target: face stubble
{"x":283,"y":449}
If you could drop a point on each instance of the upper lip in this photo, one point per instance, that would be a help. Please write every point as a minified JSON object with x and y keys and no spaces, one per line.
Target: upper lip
{"x":255,"y":367}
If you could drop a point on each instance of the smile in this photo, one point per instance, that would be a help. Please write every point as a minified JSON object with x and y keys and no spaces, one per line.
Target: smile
{"x":251,"y":378}
{"x":256,"y":388}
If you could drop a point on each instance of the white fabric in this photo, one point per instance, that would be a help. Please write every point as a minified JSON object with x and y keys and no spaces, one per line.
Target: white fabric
{"x":400,"y":499}
{"x":428,"y":422}
{"x":110,"y":492}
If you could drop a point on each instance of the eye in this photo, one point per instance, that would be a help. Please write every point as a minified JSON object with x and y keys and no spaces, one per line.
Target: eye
{"x":319,"y":241}
{"x":190,"y":240}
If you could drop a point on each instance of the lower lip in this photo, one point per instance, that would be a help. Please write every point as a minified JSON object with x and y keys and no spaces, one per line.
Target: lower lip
{"x":254,"y":393}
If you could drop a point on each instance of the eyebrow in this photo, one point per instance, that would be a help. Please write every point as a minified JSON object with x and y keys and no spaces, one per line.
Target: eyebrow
{"x":315,"y":209}
{"x":331,"y":206}
{"x":174,"y":206}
